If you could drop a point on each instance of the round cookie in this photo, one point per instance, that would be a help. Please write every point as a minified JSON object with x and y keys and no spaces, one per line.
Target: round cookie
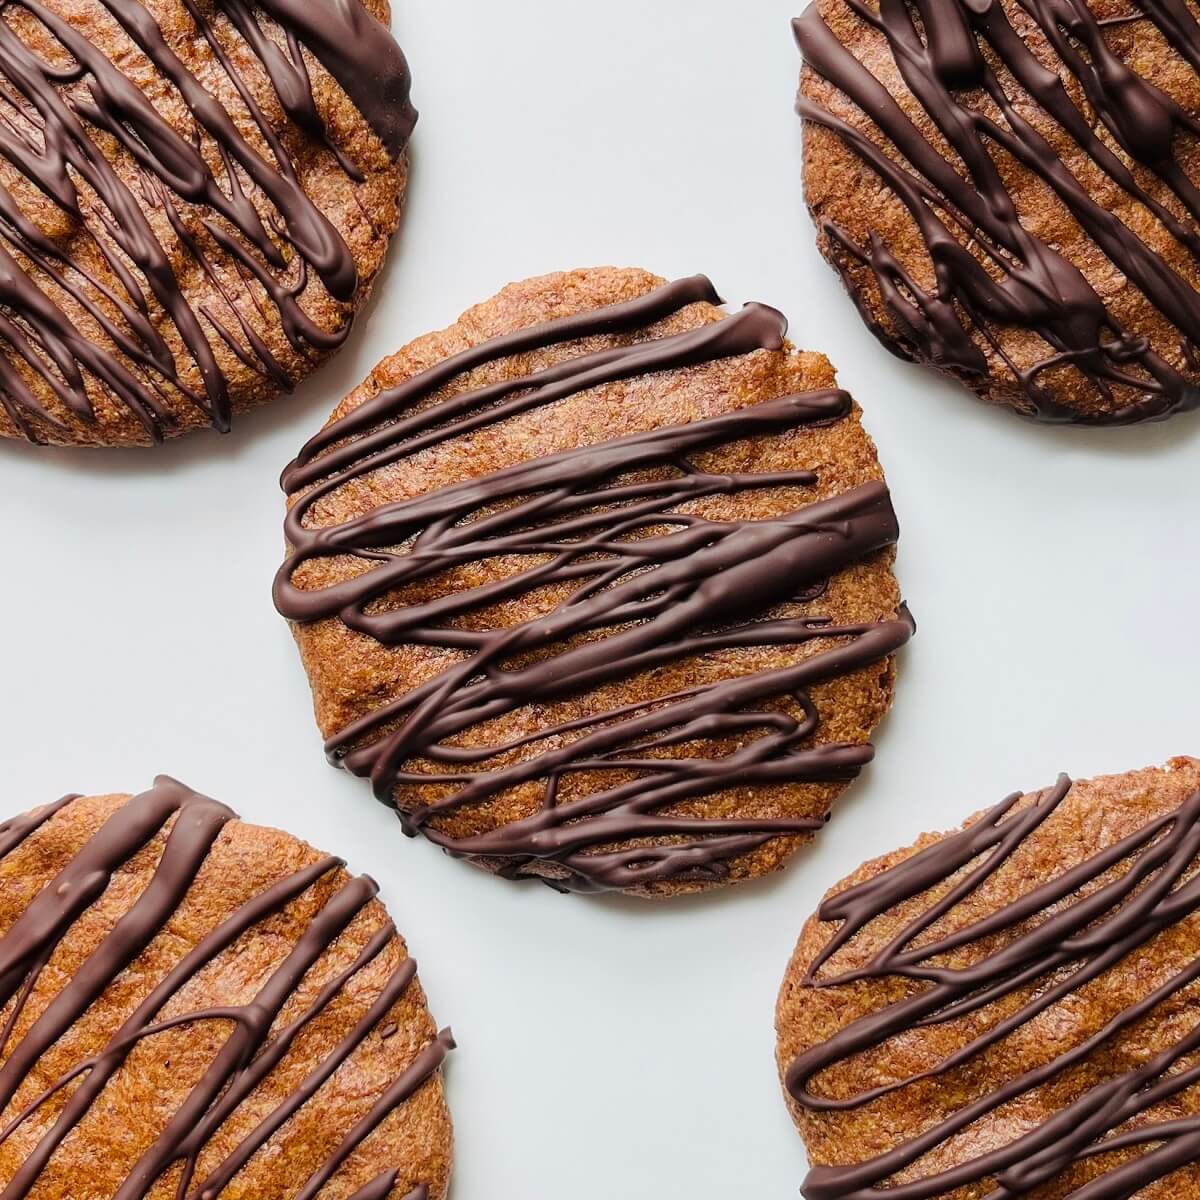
{"x":596,"y":585}
{"x":196,"y":1007}
{"x":195,"y":197}
{"x":1020,"y":206}
{"x":1009,"y":1009}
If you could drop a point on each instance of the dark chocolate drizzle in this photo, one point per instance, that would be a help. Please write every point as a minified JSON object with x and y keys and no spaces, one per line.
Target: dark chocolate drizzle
{"x":56,"y":120}
{"x":1046,"y":944}
{"x":256,"y":1043}
{"x":1015,"y":278}
{"x":652,"y":583}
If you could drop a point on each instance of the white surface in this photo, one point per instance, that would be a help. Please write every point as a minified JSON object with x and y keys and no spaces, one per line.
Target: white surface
{"x":608,"y":1048}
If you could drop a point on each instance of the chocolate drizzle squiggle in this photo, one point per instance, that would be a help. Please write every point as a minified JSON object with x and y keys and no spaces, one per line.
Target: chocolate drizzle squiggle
{"x":49,"y":136}
{"x":1016,"y":279}
{"x":652,"y":583}
{"x":1092,"y":916}
{"x":255,"y":1044}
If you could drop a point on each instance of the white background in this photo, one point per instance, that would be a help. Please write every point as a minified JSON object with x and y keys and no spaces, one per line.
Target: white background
{"x":608,"y":1048}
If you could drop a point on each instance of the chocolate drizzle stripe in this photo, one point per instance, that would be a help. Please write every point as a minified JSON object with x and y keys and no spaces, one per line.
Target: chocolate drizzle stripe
{"x":378,"y":1189}
{"x":253,"y":1047}
{"x":1094,"y":915}
{"x":651,"y":583}
{"x":318,"y":456}
{"x":1018,"y":279}
{"x":53,"y":144}
{"x":359,"y":53}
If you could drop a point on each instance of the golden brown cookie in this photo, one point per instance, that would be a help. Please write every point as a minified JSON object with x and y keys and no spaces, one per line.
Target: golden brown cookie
{"x":1010,"y":190}
{"x":596,"y":585}
{"x":1010,"y":1009}
{"x":195,"y":1007}
{"x":195,"y":197}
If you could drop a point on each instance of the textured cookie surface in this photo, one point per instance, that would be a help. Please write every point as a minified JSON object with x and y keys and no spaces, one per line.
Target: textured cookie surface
{"x":1012,"y":197}
{"x":596,"y":585}
{"x":1010,"y":1009}
{"x":195,"y":196}
{"x":196,"y":1007}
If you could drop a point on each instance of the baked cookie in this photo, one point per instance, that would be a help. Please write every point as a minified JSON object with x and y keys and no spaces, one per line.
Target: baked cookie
{"x":1010,"y":1009}
{"x":1020,"y":206}
{"x":195,"y":196}
{"x":596,"y":585}
{"x":194,"y":1007}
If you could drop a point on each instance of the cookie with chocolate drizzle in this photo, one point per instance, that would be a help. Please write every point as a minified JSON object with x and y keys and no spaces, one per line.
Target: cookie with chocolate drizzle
{"x":1010,"y":190}
{"x":194,"y":1007}
{"x":1010,"y":1009}
{"x":195,"y":197}
{"x":596,"y":586}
